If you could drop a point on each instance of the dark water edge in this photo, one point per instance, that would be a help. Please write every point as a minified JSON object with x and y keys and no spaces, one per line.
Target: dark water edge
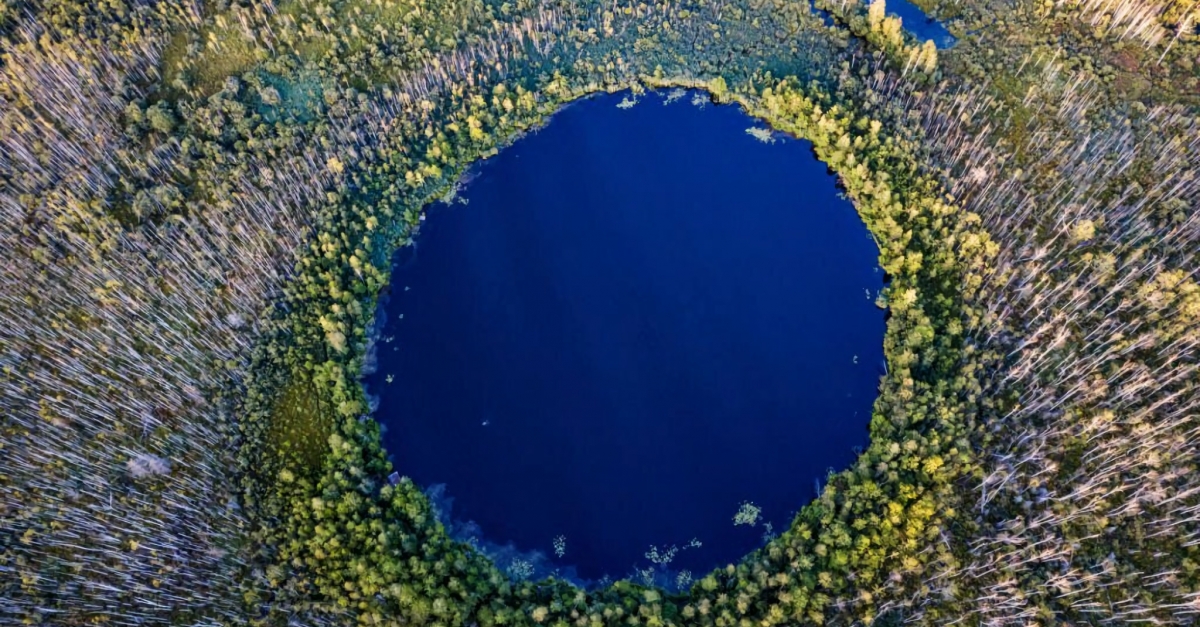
{"x":502,"y":541}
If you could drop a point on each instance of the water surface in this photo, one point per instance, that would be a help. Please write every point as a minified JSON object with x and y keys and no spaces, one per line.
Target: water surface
{"x":921,"y":25}
{"x":642,"y":318}
{"x":913,"y":19}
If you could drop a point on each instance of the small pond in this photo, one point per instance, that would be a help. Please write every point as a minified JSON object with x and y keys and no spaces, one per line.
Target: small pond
{"x":630,"y":323}
{"x":917,"y":22}
{"x":912,"y":17}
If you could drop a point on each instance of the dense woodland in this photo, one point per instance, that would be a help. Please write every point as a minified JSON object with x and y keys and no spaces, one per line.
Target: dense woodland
{"x":199,"y":204}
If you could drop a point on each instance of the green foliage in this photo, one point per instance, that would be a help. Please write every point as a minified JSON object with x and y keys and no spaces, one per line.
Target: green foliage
{"x":200,"y":206}
{"x":299,"y":430}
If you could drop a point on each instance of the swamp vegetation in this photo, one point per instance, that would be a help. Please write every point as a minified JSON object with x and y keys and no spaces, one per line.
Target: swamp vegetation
{"x":199,"y":204}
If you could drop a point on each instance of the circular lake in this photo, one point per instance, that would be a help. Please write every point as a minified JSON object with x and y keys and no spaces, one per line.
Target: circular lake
{"x":639,"y":319}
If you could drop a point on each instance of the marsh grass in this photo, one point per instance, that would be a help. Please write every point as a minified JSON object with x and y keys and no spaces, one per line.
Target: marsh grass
{"x":299,"y":429}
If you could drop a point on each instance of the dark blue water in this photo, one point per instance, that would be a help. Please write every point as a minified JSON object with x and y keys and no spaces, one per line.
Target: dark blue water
{"x":641,"y":319}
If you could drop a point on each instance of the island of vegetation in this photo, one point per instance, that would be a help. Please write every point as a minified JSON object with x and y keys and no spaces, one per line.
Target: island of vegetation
{"x":199,"y":205}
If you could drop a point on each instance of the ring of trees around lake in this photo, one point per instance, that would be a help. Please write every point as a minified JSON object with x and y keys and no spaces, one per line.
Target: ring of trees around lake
{"x":595,"y":364}
{"x":200,"y":203}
